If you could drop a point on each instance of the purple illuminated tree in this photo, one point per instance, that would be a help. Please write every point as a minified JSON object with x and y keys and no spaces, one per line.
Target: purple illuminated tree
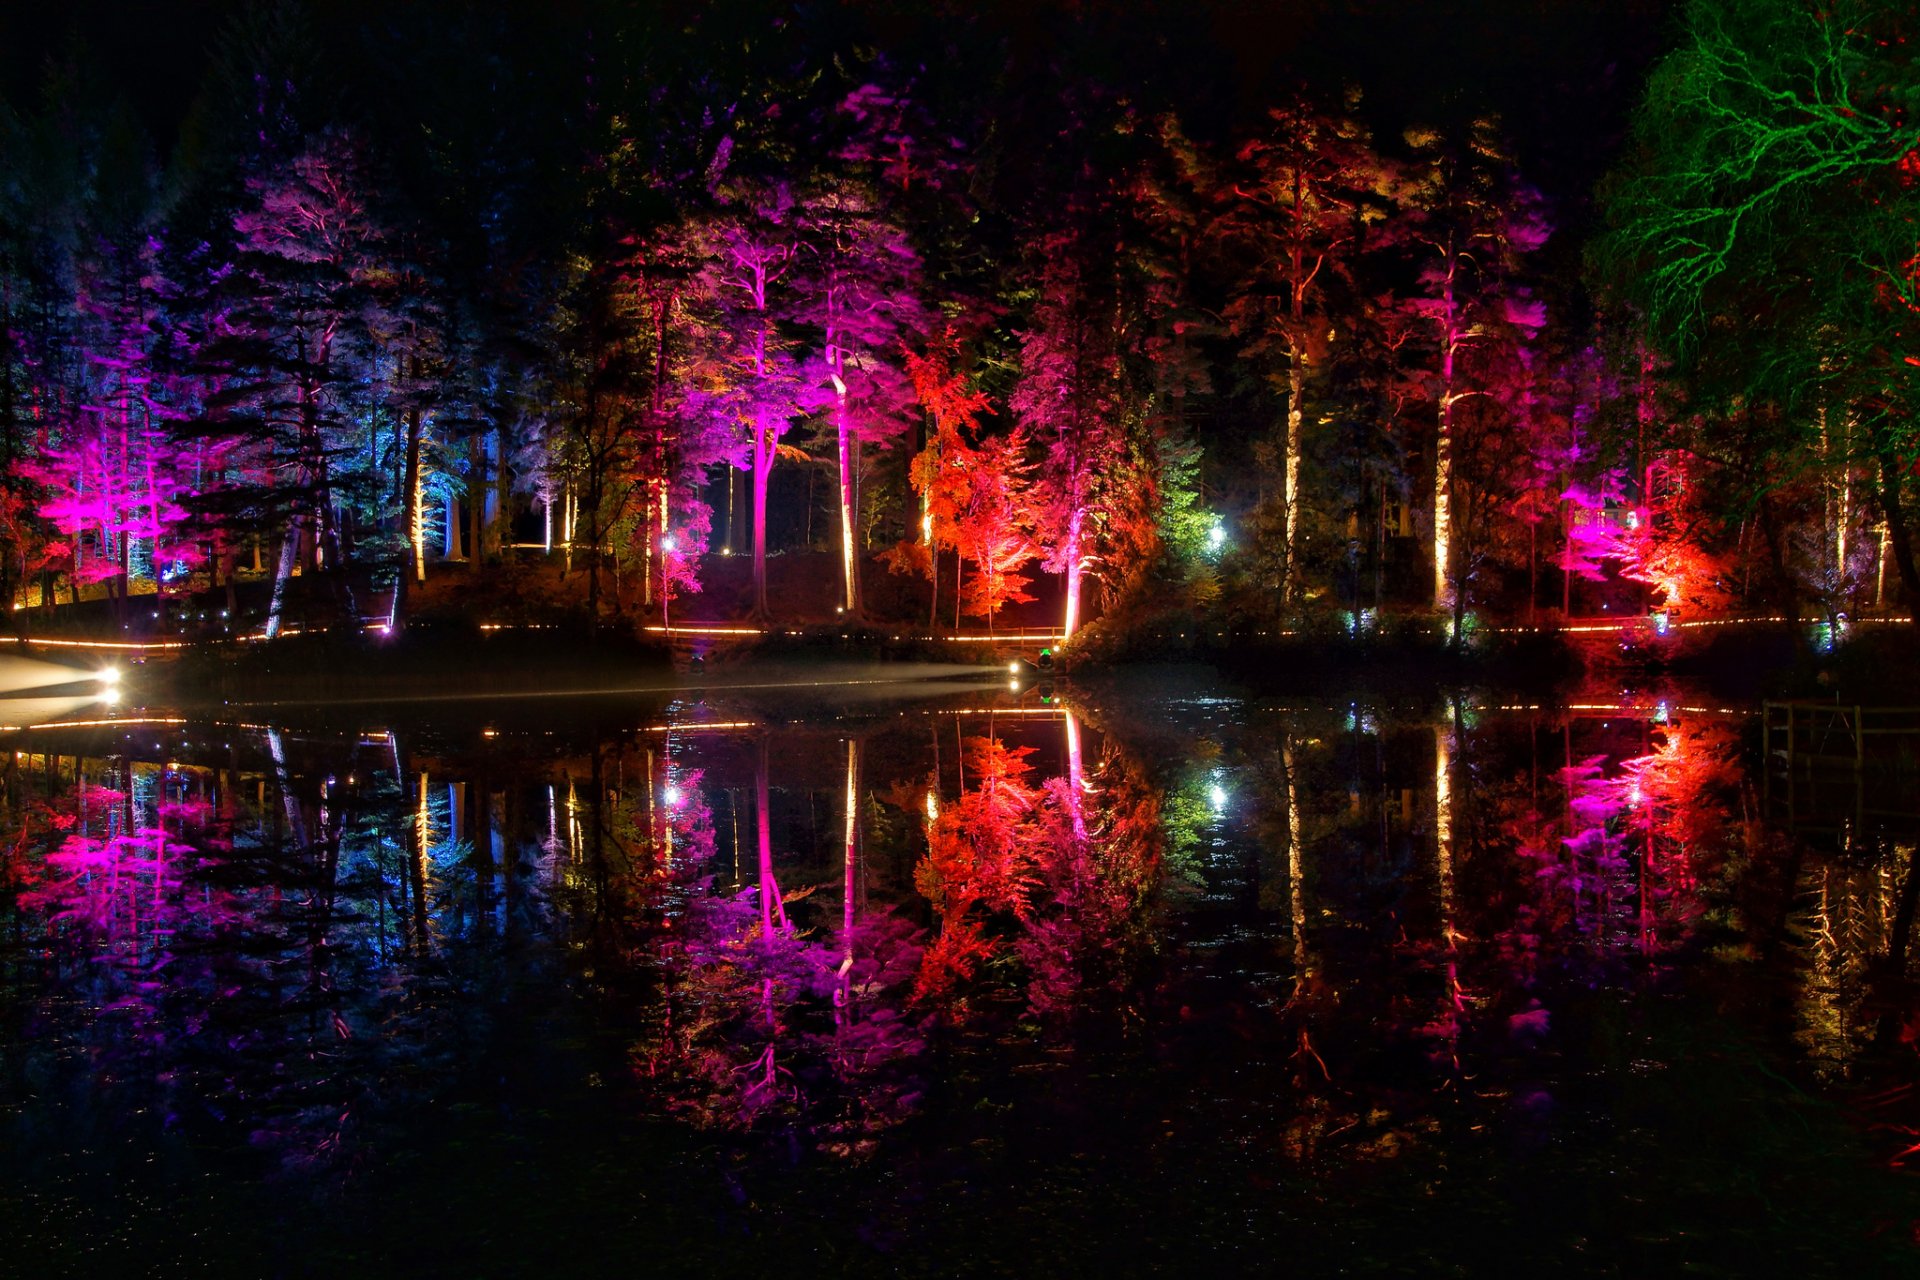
{"x":297,"y":330}
{"x":745,"y":372}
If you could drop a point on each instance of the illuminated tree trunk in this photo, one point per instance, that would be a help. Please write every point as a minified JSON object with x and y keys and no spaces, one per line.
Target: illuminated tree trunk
{"x":1075,"y":567}
{"x":1898,"y":535}
{"x":282,"y":574}
{"x":849,"y":552}
{"x":414,"y":546}
{"x":1443,"y":586}
{"x":763,"y":449}
{"x":1290,"y":493}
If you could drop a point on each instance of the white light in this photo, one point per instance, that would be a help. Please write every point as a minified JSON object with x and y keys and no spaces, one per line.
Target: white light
{"x":1216,"y":537}
{"x":669,"y":543}
{"x":1217,"y":796}
{"x":673,"y":795}
{"x":108,"y":676}
{"x":1014,"y":667}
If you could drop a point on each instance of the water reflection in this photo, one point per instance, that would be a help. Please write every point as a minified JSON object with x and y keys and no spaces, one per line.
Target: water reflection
{"x":1342,"y":934}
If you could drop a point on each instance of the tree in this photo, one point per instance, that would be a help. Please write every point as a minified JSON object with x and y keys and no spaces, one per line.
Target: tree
{"x":1293,"y":218}
{"x":1766,"y":227}
{"x":941,"y":472}
{"x":1068,"y":397}
{"x":746,"y":374}
{"x":1471,"y":220}
{"x":861,"y":280}
{"x":295,"y":335}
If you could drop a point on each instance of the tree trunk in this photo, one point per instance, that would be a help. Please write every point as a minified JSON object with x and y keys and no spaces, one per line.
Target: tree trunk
{"x":1898,"y":534}
{"x":849,"y":551}
{"x":476,"y":502}
{"x":282,"y":574}
{"x":413,"y":545}
{"x":762,"y":474}
{"x":502,"y":491}
{"x":1075,"y":574}
{"x":1290,"y":493}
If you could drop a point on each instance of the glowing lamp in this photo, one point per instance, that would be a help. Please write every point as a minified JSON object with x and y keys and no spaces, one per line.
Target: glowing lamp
{"x":669,"y":543}
{"x":1217,"y":797}
{"x":1216,"y":536}
{"x":672,"y":796}
{"x":1014,"y":667}
{"x":109,"y":676}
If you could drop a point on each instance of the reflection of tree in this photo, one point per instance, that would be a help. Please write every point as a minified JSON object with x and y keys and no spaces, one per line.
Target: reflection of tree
{"x":766,"y":1025}
{"x":1056,"y":878}
{"x":1624,"y":859}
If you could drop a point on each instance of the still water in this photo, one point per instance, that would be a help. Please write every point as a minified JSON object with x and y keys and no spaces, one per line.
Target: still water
{"x":948,"y":977}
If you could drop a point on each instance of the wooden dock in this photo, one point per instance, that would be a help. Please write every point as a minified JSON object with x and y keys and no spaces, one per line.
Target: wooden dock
{"x":1828,"y":766}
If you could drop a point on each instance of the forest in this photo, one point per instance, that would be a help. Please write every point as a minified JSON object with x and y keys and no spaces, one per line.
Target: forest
{"x":767,"y":313}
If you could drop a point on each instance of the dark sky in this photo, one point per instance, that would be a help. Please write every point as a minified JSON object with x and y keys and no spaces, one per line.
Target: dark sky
{"x":1562,"y":73}
{"x":155,"y":49}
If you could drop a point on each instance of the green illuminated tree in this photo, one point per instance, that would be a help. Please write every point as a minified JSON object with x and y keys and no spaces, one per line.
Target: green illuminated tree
{"x":1767,"y":228}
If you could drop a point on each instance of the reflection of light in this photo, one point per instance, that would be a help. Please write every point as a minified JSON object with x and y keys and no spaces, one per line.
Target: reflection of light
{"x":1014,"y":685}
{"x":672,"y":795}
{"x":110,"y":696}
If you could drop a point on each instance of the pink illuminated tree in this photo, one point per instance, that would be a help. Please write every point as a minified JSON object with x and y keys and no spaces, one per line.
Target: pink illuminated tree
{"x":746,"y":373}
{"x":861,"y":284}
{"x":1068,"y":397}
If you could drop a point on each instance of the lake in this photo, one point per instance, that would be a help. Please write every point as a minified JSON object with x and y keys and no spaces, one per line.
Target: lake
{"x":833,"y":969}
